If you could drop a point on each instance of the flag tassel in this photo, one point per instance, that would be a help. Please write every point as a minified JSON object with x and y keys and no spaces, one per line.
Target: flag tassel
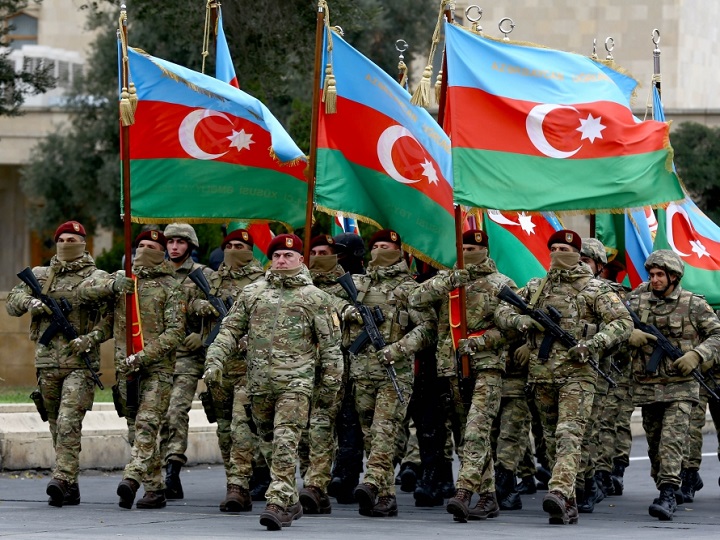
{"x":329,"y":96}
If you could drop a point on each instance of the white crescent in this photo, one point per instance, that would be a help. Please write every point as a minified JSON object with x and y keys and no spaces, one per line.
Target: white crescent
{"x":534,"y":127}
{"x":500,"y":219}
{"x":673,"y":209}
{"x":384,"y":149}
{"x":186,"y":133}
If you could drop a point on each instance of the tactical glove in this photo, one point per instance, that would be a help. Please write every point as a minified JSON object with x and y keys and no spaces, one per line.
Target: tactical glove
{"x":391,"y":353}
{"x":687,"y":362}
{"x":37,"y":307}
{"x":467,"y":347}
{"x":134,"y":361}
{"x":522,"y":355}
{"x":204,"y":308}
{"x":638,"y":338}
{"x":82,"y":344}
{"x":351,"y":314}
{"x":193,"y":341}
{"x":124,"y":285}
{"x":242,"y":344}
{"x":459,"y":277}
{"x":583,"y":351}
{"x":526,"y":322}
{"x":213,"y":375}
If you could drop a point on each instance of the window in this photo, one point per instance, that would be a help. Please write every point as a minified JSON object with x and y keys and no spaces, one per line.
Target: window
{"x":22,"y":30}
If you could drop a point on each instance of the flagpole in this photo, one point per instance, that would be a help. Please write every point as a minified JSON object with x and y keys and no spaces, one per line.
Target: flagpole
{"x":312,"y":165}
{"x":656,"y":60}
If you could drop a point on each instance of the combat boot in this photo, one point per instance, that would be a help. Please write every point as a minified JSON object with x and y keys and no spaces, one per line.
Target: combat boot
{"x":591,"y":495}
{"x":126,"y":490}
{"x":275,"y":517}
{"x":691,"y":482}
{"x":459,"y":505}
{"x":427,"y":492}
{"x":295,"y":511}
{"x":504,"y":482}
{"x":173,"y":486}
{"x":616,"y":476}
{"x":562,"y":511}
{"x":385,"y":507}
{"x":486,"y":507}
{"x":408,"y":476}
{"x":527,"y":486}
{"x":366,"y":495}
{"x":259,"y":483}
{"x":446,"y":482}
{"x":605,"y":483}
{"x":237,"y":499}
{"x":664,"y":506}
{"x":314,"y":501}
{"x":72,"y":496}
{"x":152,"y":500}
{"x":543,"y":476}
{"x":57,"y":489}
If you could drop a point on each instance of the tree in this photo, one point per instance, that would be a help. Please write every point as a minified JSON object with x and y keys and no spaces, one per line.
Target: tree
{"x":15,"y":85}
{"x":697,"y":158}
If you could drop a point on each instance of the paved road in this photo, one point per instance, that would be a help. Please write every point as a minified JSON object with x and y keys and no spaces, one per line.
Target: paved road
{"x":24,"y":513}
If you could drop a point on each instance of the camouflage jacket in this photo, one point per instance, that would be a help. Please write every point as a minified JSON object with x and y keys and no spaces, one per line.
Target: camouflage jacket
{"x":411,"y":328}
{"x":289,"y":323}
{"x":327,"y":281}
{"x":86,"y":317}
{"x":589,"y":309}
{"x":481,"y":301}
{"x":162,"y":315}
{"x":226,"y":284}
{"x":191,"y":362}
{"x":690,"y":324}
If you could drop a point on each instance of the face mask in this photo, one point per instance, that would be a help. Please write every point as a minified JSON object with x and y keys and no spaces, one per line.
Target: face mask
{"x":69,"y":251}
{"x":385,"y":257}
{"x":564,"y":260}
{"x":237,"y":258}
{"x":475,"y":257}
{"x":290,"y":272}
{"x":148,"y":257}
{"x":323,"y":263}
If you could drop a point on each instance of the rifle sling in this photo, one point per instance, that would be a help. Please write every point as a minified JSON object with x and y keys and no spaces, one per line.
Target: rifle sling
{"x":49,"y":281}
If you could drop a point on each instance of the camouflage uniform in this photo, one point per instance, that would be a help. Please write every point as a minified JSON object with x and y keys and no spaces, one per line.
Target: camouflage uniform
{"x":162,"y":315}
{"x":230,"y":398}
{"x":290,"y":326}
{"x":408,"y":330}
{"x":65,"y":383}
{"x":564,"y":387}
{"x":487,"y":364}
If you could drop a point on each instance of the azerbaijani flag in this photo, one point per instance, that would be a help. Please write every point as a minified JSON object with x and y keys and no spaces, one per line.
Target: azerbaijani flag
{"x":518,"y":242}
{"x":384,"y":160}
{"x":538,"y":129}
{"x":202,"y":150}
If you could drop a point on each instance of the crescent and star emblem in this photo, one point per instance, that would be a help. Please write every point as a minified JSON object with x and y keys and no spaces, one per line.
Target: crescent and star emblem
{"x":387,"y":140}
{"x":524,"y":221}
{"x":697,"y":247}
{"x":186,"y":135}
{"x":590,"y":127}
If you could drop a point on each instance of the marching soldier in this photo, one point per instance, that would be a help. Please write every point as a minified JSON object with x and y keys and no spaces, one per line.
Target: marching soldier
{"x":562,"y":380}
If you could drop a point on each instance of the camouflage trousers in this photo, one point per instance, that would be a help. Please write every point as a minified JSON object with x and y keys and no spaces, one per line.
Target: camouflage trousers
{"x":381,"y":419}
{"x":174,"y":430}
{"x":235,"y":439}
{"x":457,"y":409}
{"x":511,"y":433}
{"x":68,"y":395}
{"x":407,"y":449}
{"x":564,"y":409}
{"x":279,"y":419}
{"x":321,"y":444}
{"x":145,"y":456}
{"x":477,"y":471}
{"x":591,"y":439}
{"x":693,"y":449}
{"x":666,"y":427}
{"x":130,"y":420}
{"x":615,"y":434}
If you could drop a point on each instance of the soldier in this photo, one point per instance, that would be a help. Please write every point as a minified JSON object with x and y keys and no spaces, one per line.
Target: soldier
{"x":320,"y":437}
{"x":290,"y":326}
{"x":483,"y":346}
{"x":190,"y":356}
{"x":406,"y":330}
{"x":562,"y":381}
{"x":66,"y":384}
{"x":668,"y":394}
{"x":161,"y":306}
{"x":231,"y":404}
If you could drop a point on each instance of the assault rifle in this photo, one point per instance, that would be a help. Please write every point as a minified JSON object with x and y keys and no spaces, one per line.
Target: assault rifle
{"x":553,"y":331}
{"x":663,"y":348}
{"x":199,"y":279}
{"x":59,"y":322}
{"x":370,"y":333}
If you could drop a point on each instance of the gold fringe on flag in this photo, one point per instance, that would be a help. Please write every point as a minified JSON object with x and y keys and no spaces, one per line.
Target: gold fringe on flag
{"x":421,"y":96}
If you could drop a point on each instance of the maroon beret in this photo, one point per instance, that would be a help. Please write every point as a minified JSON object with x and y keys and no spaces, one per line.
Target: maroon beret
{"x":385,"y":235}
{"x":152,"y":235}
{"x":72,"y":227}
{"x":565,"y":236}
{"x":239,"y":235}
{"x":284,"y":241}
{"x":322,"y":240}
{"x":475,"y":237}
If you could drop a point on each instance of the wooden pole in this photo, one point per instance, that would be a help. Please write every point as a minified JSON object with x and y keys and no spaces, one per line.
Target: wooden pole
{"x":312,"y":165}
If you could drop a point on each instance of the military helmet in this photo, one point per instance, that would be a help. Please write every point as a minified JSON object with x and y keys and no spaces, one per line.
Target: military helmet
{"x":666,"y":259}
{"x":350,"y":244}
{"x":593,"y":249}
{"x":182,"y":230}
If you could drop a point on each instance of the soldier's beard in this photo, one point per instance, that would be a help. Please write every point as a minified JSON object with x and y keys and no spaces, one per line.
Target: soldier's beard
{"x":385,"y":257}
{"x":323,"y":263}
{"x":564,"y":260}
{"x":237,"y":258}
{"x":69,"y":251}
{"x":148,"y":257}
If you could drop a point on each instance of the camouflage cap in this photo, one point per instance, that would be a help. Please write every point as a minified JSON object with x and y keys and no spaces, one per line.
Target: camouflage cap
{"x":593,"y":249}
{"x":666,"y":259}
{"x":182,"y":230}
